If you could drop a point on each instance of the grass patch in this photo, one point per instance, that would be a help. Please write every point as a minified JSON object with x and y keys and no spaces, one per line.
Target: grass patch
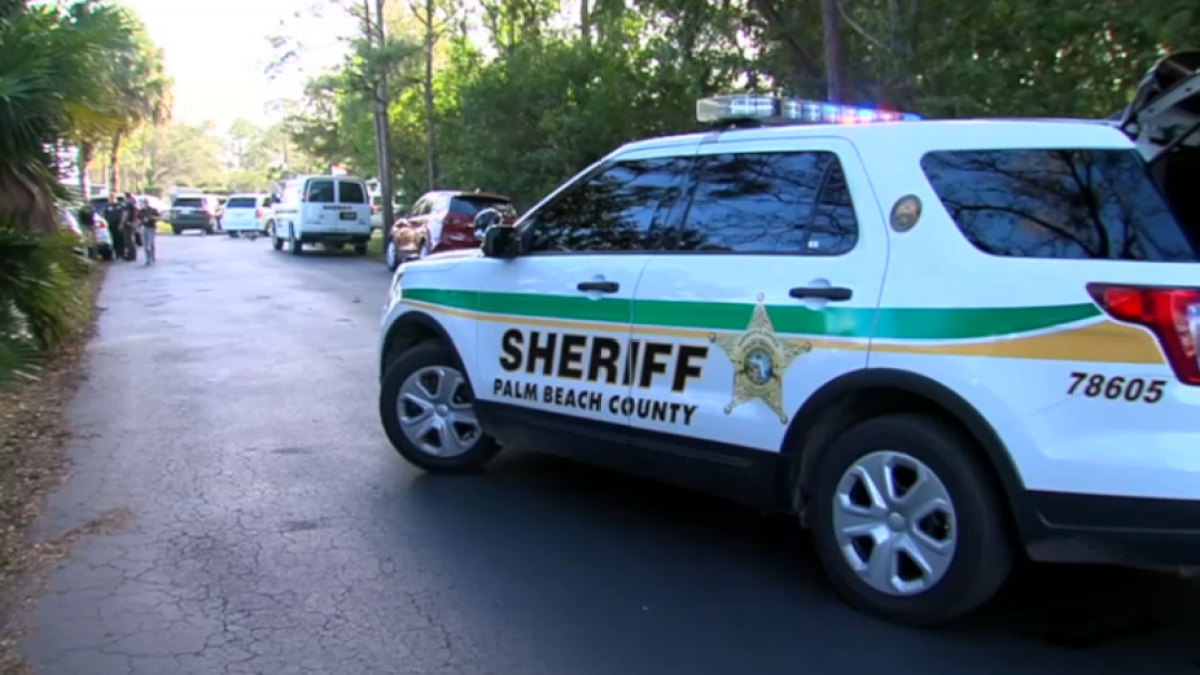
{"x":32,"y":463}
{"x":375,"y":246}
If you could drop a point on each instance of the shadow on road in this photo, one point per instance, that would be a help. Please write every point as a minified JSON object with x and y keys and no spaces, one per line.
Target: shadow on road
{"x":583,"y":548}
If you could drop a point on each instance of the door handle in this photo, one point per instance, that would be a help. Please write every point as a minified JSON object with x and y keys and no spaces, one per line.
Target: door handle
{"x":834,"y":293}
{"x":601,"y":286}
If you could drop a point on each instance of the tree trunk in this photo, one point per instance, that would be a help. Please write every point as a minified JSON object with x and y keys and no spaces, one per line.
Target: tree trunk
{"x":430,"y":133}
{"x":585,"y":26}
{"x":114,"y":164}
{"x":831,"y":26}
{"x":84,"y":160}
{"x":385,"y":136}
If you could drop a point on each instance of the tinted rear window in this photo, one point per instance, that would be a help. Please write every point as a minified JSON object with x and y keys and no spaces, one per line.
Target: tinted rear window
{"x":351,"y":193}
{"x":321,"y":192}
{"x":189,"y":203}
{"x":1073,"y":204}
{"x":470,"y":206}
{"x":242,"y":203}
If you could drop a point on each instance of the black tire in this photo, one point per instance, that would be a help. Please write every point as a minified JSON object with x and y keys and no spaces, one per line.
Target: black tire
{"x":176,"y":231}
{"x":106,"y":254}
{"x":294,"y":245}
{"x":360,"y":249}
{"x":422,"y":356}
{"x":235,"y":235}
{"x":391,"y":255}
{"x":983,"y":555}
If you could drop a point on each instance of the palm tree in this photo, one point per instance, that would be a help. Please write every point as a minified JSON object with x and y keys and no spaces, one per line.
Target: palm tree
{"x":143,"y":93}
{"x":55,"y":89}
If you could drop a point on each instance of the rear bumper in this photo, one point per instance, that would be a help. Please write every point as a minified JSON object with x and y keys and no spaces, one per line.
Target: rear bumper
{"x":1128,"y":531}
{"x":335,"y":237}
{"x":240,"y":227}
{"x":193,"y":224}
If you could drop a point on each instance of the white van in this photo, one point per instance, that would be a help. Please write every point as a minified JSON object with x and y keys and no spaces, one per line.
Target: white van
{"x":329,"y":210}
{"x":246,"y":214}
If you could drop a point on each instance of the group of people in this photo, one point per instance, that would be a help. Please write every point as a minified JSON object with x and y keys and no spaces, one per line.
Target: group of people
{"x":130,"y":225}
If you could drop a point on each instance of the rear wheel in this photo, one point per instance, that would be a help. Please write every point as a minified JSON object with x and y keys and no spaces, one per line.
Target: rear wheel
{"x":176,"y":231}
{"x":235,"y":235}
{"x":294,"y":245}
{"x":907,"y":524}
{"x":427,"y":410}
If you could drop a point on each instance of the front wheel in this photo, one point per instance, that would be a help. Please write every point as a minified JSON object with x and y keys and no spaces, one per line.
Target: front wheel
{"x":907,"y":524}
{"x":427,"y":410}
{"x":391,"y":255}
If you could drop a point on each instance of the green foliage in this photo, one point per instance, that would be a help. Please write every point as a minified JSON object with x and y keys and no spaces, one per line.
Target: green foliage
{"x":42,"y":298}
{"x":552,"y":91}
{"x":62,"y":80}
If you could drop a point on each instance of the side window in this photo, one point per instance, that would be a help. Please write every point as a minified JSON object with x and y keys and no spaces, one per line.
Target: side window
{"x":1072,"y":204}
{"x":351,"y":193}
{"x":621,"y":208}
{"x":420,"y":208}
{"x":321,"y":192}
{"x":770,"y":202}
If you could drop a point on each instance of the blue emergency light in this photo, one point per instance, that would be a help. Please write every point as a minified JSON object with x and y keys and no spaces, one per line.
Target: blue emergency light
{"x":731,"y":107}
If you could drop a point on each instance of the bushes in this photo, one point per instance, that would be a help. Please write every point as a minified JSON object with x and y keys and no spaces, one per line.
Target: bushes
{"x":44,"y":300}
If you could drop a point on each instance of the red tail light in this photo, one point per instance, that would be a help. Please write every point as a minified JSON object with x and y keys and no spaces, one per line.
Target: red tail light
{"x":258,"y":213}
{"x":456,"y":220}
{"x":1173,"y":314}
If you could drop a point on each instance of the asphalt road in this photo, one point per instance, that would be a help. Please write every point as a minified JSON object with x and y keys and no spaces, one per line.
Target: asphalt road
{"x":230,"y":407}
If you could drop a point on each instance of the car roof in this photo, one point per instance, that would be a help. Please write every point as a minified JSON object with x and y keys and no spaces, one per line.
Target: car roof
{"x":995,"y":134}
{"x":467,"y":193}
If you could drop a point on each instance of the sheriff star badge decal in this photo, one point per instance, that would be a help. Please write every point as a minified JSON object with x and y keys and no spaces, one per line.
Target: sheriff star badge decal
{"x":759,"y":360}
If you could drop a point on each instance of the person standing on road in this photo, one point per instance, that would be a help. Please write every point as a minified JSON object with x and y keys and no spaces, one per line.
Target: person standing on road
{"x":131,"y":222}
{"x":113,"y":215}
{"x":150,"y":217}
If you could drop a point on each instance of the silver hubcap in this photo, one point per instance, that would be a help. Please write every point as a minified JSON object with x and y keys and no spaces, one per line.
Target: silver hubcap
{"x":391,"y":253}
{"x":894,"y":523}
{"x":435,"y":412}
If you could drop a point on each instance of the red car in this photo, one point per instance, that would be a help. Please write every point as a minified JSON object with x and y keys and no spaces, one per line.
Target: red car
{"x":441,"y":221}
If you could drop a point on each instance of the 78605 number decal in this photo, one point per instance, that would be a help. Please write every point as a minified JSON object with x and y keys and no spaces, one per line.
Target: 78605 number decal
{"x":1133,"y":389}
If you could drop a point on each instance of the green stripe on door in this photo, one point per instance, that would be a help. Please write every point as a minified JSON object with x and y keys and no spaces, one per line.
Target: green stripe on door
{"x":893,"y":324}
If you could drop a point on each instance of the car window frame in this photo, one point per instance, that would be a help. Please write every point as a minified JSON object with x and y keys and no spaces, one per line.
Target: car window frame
{"x":524,"y":227}
{"x":679,"y":219}
{"x":362,"y":186}
{"x":308,"y":189}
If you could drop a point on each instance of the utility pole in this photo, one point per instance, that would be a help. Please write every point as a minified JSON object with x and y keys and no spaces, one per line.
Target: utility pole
{"x":832,"y":29}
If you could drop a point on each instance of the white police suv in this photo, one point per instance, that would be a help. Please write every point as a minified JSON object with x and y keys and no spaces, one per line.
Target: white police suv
{"x":942,"y":344}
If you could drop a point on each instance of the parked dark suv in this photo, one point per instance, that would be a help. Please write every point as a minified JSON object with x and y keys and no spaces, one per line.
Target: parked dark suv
{"x":195,"y":212}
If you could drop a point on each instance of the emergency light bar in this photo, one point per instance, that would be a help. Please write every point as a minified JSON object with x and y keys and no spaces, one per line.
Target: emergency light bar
{"x":790,"y":110}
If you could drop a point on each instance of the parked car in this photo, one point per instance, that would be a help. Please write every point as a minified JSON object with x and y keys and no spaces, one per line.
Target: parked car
{"x":102,"y":238}
{"x":329,"y":210}
{"x":195,"y":212}
{"x":247,"y":214}
{"x":377,"y":211}
{"x":71,"y":224}
{"x":441,"y":221}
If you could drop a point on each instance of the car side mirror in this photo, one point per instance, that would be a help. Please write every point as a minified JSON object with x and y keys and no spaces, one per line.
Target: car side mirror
{"x":485,"y":220}
{"x":501,"y":242}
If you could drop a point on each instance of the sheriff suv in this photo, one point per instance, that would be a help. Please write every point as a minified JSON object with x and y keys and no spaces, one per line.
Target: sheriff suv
{"x":941,"y":344}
